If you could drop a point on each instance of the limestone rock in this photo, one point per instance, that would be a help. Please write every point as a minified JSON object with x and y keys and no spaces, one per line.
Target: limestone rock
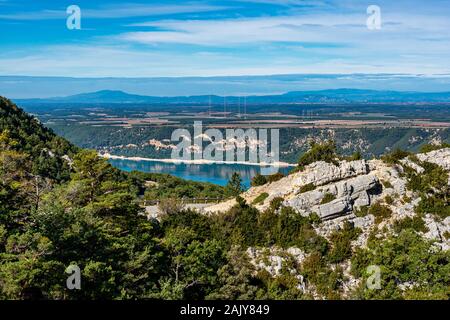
{"x":333,"y":208}
{"x":440,"y":157}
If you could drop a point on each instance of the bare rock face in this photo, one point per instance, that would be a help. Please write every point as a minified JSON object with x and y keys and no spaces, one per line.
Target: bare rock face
{"x":412,"y":165}
{"x":318,"y":173}
{"x":437,"y":231}
{"x":333,"y":208}
{"x":350,"y":193}
{"x":321,"y":172}
{"x":274,"y":259}
{"x":440,"y":157}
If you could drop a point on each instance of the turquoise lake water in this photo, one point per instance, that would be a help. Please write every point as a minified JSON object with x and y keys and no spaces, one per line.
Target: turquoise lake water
{"x":213,"y":173}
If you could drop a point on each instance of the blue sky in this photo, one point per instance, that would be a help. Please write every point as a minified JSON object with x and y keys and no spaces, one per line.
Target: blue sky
{"x":224,"y":38}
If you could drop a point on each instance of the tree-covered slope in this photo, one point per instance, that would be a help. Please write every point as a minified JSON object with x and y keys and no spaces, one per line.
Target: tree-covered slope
{"x":45,"y":149}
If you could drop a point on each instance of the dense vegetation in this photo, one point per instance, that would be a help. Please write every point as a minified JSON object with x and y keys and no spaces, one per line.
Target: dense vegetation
{"x":157,"y":186}
{"x":61,"y":206}
{"x":432,"y":185}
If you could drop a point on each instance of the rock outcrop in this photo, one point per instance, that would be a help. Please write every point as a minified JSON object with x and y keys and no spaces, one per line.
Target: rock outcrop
{"x":338,"y":194}
{"x":351,"y":185}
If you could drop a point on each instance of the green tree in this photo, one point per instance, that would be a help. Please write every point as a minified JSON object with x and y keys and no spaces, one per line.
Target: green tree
{"x":319,"y":152}
{"x":234,"y":185}
{"x":235,"y":278}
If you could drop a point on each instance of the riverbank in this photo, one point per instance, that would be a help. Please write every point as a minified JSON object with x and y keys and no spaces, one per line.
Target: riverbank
{"x":201,"y":161}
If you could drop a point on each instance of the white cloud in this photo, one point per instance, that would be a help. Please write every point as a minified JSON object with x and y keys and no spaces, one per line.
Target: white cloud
{"x":116,"y":11}
{"x":122,"y":61}
{"x":329,"y":28}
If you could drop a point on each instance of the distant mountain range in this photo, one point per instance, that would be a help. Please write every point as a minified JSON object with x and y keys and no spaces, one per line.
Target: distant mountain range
{"x":322,"y":96}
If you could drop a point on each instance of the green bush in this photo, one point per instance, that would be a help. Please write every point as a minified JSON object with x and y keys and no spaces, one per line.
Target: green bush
{"x":307,"y":187}
{"x":260,"y":199}
{"x":362,"y":211}
{"x":432,"y":184}
{"x":328,"y":197}
{"x":319,"y":152}
{"x":355,"y":156}
{"x":389,"y":199}
{"x":380,"y":212}
{"x":275,"y":177}
{"x":395,"y":156}
{"x":432,"y":147}
{"x":403,"y":258}
{"x":415,"y":223}
{"x":387,"y":184}
{"x":314,"y":218}
{"x":276,"y":203}
{"x":328,"y":282}
{"x":258,"y":180}
{"x":434,"y":205}
{"x":341,"y":243}
{"x":170,"y":206}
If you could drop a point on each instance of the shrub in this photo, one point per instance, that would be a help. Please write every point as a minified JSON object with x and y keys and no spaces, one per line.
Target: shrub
{"x":275,"y":177}
{"x":362,"y":211}
{"x":355,"y":156}
{"x":307,"y":187}
{"x":341,"y":242}
{"x":380,"y":212}
{"x":432,"y":147}
{"x":404,"y":258}
{"x":433,"y":187}
{"x":258,"y":180}
{"x":292,"y":229}
{"x":195,"y":221}
{"x":170,"y":206}
{"x":395,"y":156}
{"x":314,"y":218}
{"x":328,"y":197}
{"x":387,"y":184}
{"x":434,"y":178}
{"x":276,"y":203}
{"x":416,"y":223}
{"x":406,"y":199}
{"x":319,"y":152}
{"x":327,"y":281}
{"x":388,"y":199}
{"x":295,"y":170}
{"x":259,"y":199}
{"x":433,"y":205}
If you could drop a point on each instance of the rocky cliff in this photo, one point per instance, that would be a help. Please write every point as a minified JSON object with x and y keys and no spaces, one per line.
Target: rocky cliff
{"x":346,"y":192}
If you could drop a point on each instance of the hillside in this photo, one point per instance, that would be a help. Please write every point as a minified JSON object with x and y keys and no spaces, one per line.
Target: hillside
{"x":310,"y":235}
{"x":365,"y":201}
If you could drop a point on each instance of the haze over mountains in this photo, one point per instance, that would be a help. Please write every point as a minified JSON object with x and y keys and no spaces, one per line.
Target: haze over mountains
{"x":27,"y":87}
{"x":321,"y":96}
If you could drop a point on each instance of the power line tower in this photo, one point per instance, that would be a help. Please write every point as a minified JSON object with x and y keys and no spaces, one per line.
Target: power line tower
{"x":209,"y":106}
{"x":224,"y":107}
{"x":245,"y":107}
{"x":239,"y":107}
